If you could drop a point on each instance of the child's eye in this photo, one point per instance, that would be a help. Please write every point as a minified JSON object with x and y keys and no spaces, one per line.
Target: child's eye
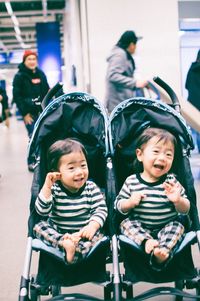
{"x":169,"y":155}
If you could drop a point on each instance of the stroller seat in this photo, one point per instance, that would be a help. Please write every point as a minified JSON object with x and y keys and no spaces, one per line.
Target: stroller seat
{"x":190,"y":238}
{"x":38,"y":245}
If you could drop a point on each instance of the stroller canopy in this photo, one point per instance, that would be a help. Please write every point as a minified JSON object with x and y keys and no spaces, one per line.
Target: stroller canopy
{"x":132,"y":116}
{"x":77,"y":115}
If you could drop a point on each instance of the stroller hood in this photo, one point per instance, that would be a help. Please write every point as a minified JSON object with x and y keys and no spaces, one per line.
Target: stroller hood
{"x":132,"y":116}
{"x":77,"y":115}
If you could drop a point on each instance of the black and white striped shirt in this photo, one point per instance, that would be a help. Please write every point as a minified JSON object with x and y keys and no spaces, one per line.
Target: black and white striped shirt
{"x":155,"y":210}
{"x":69,"y":212}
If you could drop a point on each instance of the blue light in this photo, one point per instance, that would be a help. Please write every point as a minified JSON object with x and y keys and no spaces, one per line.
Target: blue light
{"x":49,"y":52}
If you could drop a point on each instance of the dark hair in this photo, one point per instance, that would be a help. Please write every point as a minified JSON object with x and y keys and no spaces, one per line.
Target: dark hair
{"x":198,"y":56}
{"x":61,"y":148}
{"x":147,"y":134}
{"x":126,"y":38}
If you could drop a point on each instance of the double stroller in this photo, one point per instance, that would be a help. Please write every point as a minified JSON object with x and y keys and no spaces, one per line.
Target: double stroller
{"x":109,"y":142}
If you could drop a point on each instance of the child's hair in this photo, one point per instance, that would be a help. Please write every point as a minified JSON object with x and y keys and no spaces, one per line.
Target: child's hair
{"x":147,"y":134}
{"x":61,"y":148}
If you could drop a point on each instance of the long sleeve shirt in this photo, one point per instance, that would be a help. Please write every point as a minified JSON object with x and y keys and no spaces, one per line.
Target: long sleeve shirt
{"x":69,"y":212}
{"x":155,"y":210}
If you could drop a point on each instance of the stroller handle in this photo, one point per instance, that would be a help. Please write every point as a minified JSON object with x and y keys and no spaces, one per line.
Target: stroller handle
{"x":169,"y":91}
{"x":50,"y":94}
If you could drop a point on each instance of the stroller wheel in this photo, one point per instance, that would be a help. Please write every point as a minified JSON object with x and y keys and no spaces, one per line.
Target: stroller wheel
{"x":37,"y":290}
{"x":180,"y":285}
{"x":55,"y":290}
{"x":197,"y":286}
{"x":179,"y":298}
{"x":34,"y":294}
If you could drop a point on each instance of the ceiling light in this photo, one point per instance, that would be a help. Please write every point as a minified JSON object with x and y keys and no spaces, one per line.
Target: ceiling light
{"x":25,"y":46}
{"x":9,"y":8}
{"x":3,"y":46}
{"x":44,"y":8}
{"x":15,"y":21}
{"x":17,"y":30}
{"x":19,"y":38}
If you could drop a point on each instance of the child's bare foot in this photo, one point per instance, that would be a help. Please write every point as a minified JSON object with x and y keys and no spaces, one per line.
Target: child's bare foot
{"x":70,"y":249}
{"x":75,"y":237}
{"x":161,"y":254}
{"x":150,"y":245}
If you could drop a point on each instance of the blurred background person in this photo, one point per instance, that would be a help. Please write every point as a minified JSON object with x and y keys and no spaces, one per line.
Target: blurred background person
{"x":29,"y":83}
{"x":120,"y":81}
{"x":4,"y":115}
{"x":192,"y":84}
{"x":4,"y":107}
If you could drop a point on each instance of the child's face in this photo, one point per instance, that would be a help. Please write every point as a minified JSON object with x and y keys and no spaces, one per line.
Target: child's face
{"x":74,"y":171}
{"x":157,"y":158}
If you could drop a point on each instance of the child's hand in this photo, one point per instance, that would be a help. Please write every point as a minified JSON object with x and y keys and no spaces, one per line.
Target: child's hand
{"x":51,"y":178}
{"x":89,"y":230}
{"x":136,"y":198}
{"x":7,"y":123}
{"x":133,"y":201}
{"x":173,"y":191}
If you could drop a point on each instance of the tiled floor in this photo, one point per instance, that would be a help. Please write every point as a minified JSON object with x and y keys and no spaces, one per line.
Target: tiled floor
{"x":15,"y":183}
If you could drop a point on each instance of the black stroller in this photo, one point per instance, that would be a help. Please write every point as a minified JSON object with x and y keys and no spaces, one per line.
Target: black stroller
{"x":81,"y":116}
{"x":127,"y":121}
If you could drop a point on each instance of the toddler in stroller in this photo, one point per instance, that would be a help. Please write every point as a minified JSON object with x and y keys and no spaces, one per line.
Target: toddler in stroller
{"x":75,"y":206}
{"x":68,"y":259}
{"x":129,"y":120}
{"x":152,"y":200}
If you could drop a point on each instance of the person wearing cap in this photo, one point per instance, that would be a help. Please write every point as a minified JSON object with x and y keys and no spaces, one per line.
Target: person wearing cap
{"x":29,"y":83}
{"x":120,"y":81}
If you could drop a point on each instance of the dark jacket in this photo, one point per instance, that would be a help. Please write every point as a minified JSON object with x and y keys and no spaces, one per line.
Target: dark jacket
{"x":28,"y":85}
{"x":193,"y":84}
{"x":120,"y":82}
{"x":4,"y":103}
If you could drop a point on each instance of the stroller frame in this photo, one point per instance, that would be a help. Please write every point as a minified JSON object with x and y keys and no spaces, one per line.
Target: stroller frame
{"x":116,"y":282}
{"x":28,"y":286}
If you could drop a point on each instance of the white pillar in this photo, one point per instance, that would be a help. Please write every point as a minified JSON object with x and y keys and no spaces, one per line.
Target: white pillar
{"x":72,"y":46}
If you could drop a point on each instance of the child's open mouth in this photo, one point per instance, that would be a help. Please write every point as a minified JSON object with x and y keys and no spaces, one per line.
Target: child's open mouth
{"x":79,"y":180}
{"x":158,"y":166}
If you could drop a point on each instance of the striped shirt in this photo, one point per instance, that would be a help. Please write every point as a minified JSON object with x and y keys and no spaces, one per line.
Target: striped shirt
{"x":155,"y":209}
{"x":69,"y":212}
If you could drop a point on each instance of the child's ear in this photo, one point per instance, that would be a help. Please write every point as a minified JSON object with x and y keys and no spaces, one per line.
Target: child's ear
{"x":139,"y":154}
